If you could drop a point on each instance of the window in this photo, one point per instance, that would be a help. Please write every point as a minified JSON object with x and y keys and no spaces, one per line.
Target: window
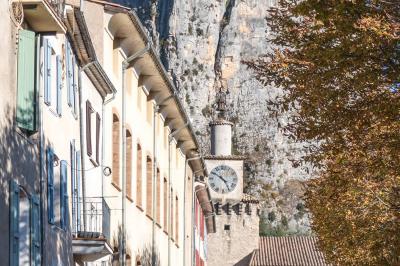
{"x":149,"y":186}
{"x":57,"y":194}
{"x":24,"y":227}
{"x":165,"y":190}
{"x":52,"y":77}
{"x":75,"y":184}
{"x":92,"y":136}
{"x":158,"y":196}
{"x":139,"y":176}
{"x":26,"y":90}
{"x":77,"y":195}
{"x":71,"y":76}
{"x":115,"y":150}
{"x":227,"y":227}
{"x":129,"y":150}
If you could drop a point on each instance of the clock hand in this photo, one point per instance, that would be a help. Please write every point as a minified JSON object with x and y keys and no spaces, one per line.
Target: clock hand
{"x":223,"y":179}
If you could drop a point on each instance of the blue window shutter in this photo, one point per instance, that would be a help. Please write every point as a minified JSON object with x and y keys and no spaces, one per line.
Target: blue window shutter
{"x":50,"y":185}
{"x":26,"y":91}
{"x":69,"y":72}
{"x":14,"y":223}
{"x":63,"y":194}
{"x":78,"y":189}
{"x":74,"y":82}
{"x":35,"y":231}
{"x":47,"y":72}
{"x":59,"y":85}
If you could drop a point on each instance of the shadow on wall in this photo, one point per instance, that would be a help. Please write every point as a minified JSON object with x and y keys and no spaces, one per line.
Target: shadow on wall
{"x":19,"y":160}
{"x":142,"y":257}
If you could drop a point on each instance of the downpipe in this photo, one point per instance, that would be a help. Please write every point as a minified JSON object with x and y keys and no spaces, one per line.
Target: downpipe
{"x":170,"y":138}
{"x":184,"y":205}
{"x":156,"y":109}
{"x":103,"y":139}
{"x":193,"y":217}
{"x":81,"y":141}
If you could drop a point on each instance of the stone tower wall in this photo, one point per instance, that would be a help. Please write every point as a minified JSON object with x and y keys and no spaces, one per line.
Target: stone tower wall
{"x":234,"y":246}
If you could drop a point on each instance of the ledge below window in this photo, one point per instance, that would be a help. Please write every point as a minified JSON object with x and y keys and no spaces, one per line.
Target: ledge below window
{"x":116,"y":186}
{"x":129,"y":198}
{"x":139,"y":207}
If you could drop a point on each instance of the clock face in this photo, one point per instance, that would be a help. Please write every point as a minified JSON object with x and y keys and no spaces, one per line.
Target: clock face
{"x":223,"y":179}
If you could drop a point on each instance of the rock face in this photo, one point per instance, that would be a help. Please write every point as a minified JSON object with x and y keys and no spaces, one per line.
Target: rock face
{"x":202,"y":44}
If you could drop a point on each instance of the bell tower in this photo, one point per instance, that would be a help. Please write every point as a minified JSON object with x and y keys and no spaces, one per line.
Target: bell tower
{"x":236,"y":218}
{"x":226,"y":170}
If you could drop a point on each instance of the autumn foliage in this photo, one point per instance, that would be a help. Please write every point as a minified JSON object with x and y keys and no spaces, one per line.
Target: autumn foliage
{"x":338,"y":62}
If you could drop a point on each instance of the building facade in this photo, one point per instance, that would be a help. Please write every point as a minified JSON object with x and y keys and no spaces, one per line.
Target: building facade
{"x":101,"y":162}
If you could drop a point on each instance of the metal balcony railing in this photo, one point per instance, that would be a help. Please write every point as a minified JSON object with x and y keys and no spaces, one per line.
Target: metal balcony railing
{"x":91,"y":218}
{"x":58,"y":7}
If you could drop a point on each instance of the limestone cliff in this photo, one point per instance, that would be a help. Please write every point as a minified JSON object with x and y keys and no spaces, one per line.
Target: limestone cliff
{"x":202,"y":44}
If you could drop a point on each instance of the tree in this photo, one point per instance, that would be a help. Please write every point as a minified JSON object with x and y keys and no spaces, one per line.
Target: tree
{"x":338,"y":63}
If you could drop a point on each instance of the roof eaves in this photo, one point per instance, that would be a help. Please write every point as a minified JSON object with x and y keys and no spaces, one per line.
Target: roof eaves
{"x":106,"y":85}
{"x":143,"y":34}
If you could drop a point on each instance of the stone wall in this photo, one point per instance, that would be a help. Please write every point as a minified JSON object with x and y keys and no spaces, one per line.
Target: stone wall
{"x":234,"y":245}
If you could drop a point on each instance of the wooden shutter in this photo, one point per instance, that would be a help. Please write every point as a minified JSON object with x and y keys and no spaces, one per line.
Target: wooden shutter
{"x":63,"y":194}
{"x":74,"y":82}
{"x":47,"y":72}
{"x":35,"y":231}
{"x":97,"y":137}
{"x":26,"y":92}
{"x":88,"y":129}
{"x":50,"y":185}
{"x":59,"y":85}
{"x":14,"y":223}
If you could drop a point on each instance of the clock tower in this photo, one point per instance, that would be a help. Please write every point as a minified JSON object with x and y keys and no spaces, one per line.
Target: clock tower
{"x":236,"y":218}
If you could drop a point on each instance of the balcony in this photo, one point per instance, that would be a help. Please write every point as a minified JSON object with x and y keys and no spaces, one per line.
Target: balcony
{"x":43,"y":15}
{"x":90,"y":229}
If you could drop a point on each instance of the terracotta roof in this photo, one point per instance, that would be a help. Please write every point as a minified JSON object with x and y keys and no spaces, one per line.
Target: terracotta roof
{"x":288,"y":251}
{"x":249,"y":199}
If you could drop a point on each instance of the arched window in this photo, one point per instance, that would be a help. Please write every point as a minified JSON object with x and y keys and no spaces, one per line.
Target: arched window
{"x":115,"y":150}
{"x":158,"y":196}
{"x":149,"y":186}
{"x":139,"y":176}
{"x":129,"y":150}
{"x":165,"y":209}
